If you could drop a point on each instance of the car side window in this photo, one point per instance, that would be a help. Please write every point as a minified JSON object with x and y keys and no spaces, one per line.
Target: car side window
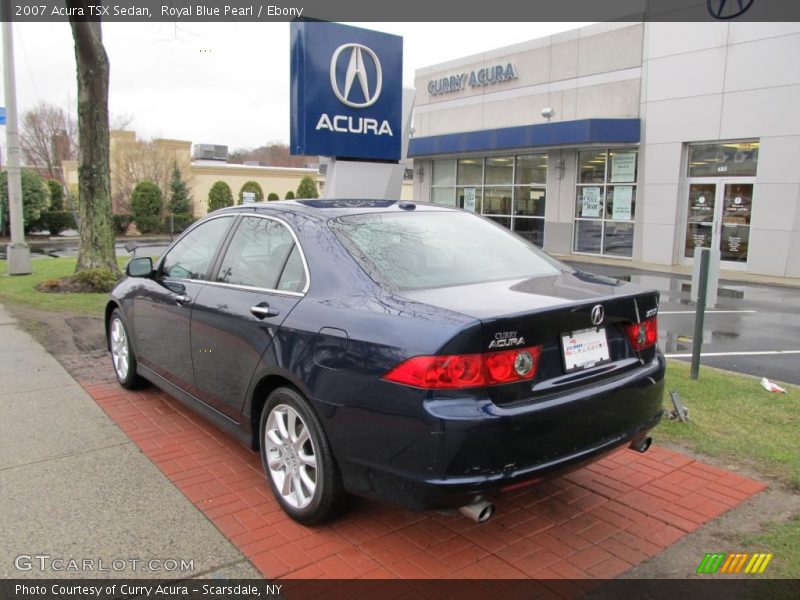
{"x":191,"y":256}
{"x":293,"y":278}
{"x":257,"y":254}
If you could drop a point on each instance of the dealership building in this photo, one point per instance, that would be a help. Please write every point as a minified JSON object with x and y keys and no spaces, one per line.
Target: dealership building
{"x":635,"y":142}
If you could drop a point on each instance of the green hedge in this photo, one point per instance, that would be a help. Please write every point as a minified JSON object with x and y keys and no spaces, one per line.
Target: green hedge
{"x":219,"y":196}
{"x":147,"y":203}
{"x":56,"y":221}
{"x":121,"y":223}
{"x":180,"y":221}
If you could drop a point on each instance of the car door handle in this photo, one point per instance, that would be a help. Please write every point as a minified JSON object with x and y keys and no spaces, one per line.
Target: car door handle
{"x":182,"y":299}
{"x":263,"y":310}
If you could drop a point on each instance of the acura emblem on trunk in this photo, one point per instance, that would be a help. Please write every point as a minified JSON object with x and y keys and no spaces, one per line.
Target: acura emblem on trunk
{"x":597,"y":314}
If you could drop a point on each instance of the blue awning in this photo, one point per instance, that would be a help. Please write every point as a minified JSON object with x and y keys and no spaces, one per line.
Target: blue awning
{"x":561,"y":133}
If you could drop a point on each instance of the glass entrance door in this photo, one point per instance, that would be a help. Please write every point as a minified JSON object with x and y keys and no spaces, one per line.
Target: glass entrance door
{"x":719,"y":217}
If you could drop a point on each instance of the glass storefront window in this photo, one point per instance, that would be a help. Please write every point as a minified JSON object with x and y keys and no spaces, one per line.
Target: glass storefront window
{"x":617,"y":238}
{"x":605,"y":201}
{"x":531,"y":229}
{"x":497,"y":200}
{"x":504,"y":221}
{"x":531,"y":168}
{"x":470,"y":171}
{"x":499,"y":170}
{"x":510,"y":189}
{"x":592,"y":166}
{"x":589,"y":204}
{"x":470,"y":198}
{"x":444,"y":172}
{"x":588,"y":236}
{"x":622,"y":166}
{"x":444,"y":196}
{"x":621,"y":202}
{"x":529,"y":201}
{"x":728,"y":159}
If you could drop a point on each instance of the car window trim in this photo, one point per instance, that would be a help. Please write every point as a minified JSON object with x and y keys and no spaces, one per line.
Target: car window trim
{"x":212,"y":263}
{"x":221,"y":256}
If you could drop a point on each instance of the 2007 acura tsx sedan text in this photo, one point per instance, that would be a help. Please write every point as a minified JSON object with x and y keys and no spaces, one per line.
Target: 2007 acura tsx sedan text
{"x":417,"y":355}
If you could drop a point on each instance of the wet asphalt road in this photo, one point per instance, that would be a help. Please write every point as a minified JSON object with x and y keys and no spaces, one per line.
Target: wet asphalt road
{"x":758,"y":319}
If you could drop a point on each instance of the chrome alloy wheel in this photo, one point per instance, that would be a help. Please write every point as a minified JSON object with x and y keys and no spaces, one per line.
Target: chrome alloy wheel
{"x":290,"y":456}
{"x":119,"y":349}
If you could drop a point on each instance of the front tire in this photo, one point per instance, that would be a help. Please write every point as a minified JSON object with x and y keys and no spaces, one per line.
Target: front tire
{"x":122,"y":356}
{"x":298,"y":461}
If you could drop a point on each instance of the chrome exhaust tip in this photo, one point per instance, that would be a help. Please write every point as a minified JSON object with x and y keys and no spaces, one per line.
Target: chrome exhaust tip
{"x":642,"y":445}
{"x":479,"y":511}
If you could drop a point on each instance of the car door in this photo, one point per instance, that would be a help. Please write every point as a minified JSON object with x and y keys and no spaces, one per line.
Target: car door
{"x":258,"y":281}
{"x":163,"y":306}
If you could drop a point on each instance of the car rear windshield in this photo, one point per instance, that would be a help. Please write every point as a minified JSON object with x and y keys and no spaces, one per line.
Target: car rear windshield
{"x":438,"y":249}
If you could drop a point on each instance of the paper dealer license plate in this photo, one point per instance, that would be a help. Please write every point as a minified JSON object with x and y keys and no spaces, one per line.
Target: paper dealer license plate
{"x":585,"y":348}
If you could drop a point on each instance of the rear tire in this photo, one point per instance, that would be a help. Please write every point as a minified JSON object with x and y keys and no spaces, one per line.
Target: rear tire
{"x":298,"y":461}
{"x":122,"y":356}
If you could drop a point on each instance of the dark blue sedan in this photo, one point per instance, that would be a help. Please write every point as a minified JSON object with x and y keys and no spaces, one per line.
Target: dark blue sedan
{"x":416,"y":355}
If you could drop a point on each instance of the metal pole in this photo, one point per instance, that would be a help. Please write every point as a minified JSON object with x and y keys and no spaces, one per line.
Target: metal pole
{"x":18,"y":253}
{"x":700,"y":312}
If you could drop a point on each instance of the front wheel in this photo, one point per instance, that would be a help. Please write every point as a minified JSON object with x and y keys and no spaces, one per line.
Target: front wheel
{"x":121,"y":353}
{"x":298,"y":461}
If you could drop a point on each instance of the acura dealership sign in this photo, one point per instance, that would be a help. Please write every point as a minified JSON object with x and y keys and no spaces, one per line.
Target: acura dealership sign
{"x":346,"y":91}
{"x":475,"y":78}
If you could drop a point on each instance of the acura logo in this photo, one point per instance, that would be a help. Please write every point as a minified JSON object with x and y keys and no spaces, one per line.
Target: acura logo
{"x":598,"y":313}
{"x":356,"y":69}
{"x":717,"y":8}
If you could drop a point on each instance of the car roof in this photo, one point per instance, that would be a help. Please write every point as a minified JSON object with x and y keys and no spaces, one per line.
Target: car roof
{"x":333,"y":208}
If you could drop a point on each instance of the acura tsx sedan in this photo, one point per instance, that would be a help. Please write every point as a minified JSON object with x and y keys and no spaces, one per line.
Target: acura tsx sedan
{"x":413,"y":354}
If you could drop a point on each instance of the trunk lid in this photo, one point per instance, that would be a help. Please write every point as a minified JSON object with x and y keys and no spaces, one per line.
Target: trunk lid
{"x":538,"y":312}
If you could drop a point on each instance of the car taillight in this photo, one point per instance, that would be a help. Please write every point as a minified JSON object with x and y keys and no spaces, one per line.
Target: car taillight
{"x":642,"y":335}
{"x":455,"y":371}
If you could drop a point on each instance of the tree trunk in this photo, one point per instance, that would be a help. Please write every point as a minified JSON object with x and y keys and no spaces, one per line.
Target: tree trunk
{"x":94,"y":183}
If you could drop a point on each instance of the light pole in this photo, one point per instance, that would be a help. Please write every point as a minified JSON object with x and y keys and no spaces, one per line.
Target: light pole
{"x":18,"y":253}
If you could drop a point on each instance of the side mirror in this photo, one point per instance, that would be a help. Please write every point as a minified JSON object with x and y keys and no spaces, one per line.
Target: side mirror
{"x":139,"y":267}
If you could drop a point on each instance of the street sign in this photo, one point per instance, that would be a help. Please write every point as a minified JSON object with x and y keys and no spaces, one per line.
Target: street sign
{"x":248,"y":197}
{"x":346,"y":91}
{"x":2,"y":115}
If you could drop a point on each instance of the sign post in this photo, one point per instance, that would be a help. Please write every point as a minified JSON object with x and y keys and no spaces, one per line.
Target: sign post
{"x":700,"y":312}
{"x":18,"y":253}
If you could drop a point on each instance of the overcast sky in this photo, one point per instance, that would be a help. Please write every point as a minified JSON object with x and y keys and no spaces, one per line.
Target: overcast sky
{"x":220,"y":83}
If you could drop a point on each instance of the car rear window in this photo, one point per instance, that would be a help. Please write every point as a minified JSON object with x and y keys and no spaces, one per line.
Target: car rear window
{"x":438,"y":249}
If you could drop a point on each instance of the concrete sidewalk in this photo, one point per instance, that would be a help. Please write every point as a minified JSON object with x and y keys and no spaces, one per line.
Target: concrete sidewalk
{"x":73,"y":486}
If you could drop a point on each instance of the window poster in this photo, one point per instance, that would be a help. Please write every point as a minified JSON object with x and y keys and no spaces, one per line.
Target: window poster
{"x":469,"y":199}
{"x":623,"y":167}
{"x":591,"y":202}
{"x":621,"y":207}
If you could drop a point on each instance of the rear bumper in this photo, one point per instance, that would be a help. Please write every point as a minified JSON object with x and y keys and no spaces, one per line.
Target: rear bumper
{"x":459,"y":448}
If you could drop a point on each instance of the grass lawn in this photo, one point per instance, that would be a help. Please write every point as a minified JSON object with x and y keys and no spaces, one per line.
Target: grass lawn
{"x":733,"y":418}
{"x":783,"y":540}
{"x":20,"y":289}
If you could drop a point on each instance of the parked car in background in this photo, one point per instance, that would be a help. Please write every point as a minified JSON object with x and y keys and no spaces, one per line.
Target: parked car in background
{"x":416,"y":355}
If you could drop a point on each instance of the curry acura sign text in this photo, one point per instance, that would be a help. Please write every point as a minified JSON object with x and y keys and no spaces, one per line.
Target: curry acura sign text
{"x":346,"y":91}
{"x":475,"y":78}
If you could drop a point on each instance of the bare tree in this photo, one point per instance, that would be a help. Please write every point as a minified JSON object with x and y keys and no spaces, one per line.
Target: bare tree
{"x":120,"y":121}
{"x":49,"y":136}
{"x":136,"y":161}
{"x":273,"y":154}
{"x":96,"y":247}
